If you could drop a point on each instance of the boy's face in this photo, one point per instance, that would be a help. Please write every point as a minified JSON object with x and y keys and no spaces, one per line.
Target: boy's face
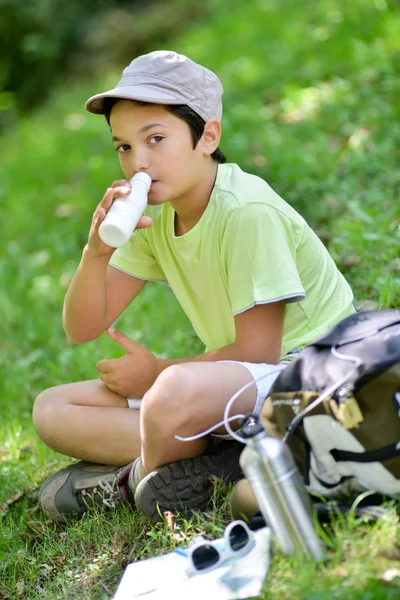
{"x":151,"y":139}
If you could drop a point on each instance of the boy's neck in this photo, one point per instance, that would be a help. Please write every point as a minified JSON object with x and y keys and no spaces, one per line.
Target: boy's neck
{"x":188,"y":211}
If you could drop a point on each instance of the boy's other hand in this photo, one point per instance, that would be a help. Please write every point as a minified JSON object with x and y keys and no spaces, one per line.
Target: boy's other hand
{"x":131,"y":375}
{"x":119,"y":189}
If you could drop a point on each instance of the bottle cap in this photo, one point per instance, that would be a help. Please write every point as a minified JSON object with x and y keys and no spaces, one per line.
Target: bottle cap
{"x":143,"y":177}
{"x":251,"y":427}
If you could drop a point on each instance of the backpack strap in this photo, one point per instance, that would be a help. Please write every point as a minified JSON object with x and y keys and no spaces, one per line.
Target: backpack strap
{"x":378,"y":455}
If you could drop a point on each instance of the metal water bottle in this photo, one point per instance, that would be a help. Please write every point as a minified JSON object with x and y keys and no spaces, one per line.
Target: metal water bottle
{"x":279,"y":490}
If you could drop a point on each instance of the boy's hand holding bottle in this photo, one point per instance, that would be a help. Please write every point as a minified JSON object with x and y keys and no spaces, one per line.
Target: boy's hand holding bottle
{"x":96,"y":247}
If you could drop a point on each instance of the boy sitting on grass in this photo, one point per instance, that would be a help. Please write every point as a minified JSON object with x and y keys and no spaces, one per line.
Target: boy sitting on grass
{"x":255,"y":281}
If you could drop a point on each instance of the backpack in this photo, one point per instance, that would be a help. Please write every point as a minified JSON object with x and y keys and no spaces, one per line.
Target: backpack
{"x":338,"y":407}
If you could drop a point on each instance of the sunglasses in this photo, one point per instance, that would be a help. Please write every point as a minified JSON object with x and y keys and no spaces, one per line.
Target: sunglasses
{"x":205,"y":555}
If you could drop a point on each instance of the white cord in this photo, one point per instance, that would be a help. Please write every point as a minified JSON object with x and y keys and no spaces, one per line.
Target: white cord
{"x":353,"y":359}
{"x":227,"y":419}
{"x":298,"y":417}
{"x":235,"y":396}
{"x":207,"y":431}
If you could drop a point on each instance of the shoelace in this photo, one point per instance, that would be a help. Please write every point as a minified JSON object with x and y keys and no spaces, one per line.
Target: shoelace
{"x":105,"y":488}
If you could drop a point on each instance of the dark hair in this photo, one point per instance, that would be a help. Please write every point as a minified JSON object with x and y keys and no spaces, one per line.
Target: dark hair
{"x":182,"y":111}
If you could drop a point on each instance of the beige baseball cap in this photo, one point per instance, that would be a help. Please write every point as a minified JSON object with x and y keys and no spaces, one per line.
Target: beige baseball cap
{"x":165,"y":77}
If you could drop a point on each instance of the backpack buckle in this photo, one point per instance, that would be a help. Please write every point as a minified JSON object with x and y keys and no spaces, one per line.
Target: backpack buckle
{"x":346,"y":410}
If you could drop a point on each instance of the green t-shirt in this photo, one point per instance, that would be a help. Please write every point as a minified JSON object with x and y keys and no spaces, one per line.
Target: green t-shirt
{"x":249,"y":247}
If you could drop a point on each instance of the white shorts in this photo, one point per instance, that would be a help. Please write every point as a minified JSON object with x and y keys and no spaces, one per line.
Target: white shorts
{"x":263,"y":374}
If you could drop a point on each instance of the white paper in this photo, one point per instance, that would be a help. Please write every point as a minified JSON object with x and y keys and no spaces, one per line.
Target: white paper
{"x":169,"y":576}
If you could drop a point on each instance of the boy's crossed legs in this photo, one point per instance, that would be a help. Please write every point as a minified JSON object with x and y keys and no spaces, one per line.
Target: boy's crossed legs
{"x":88,"y":421}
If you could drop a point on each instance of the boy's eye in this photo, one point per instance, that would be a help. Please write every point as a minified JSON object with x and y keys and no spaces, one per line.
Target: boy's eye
{"x":155,"y":139}
{"x":122,"y":148}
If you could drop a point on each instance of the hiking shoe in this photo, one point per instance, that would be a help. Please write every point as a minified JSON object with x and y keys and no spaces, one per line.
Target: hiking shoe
{"x":185,"y":485}
{"x":71,"y":492}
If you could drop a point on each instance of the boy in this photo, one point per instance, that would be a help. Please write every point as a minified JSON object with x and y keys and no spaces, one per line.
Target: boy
{"x":255,"y":281}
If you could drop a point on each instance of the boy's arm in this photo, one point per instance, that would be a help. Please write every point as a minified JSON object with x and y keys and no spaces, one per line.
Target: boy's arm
{"x":259,"y":333}
{"x":98,"y":293}
{"x":258,"y":339}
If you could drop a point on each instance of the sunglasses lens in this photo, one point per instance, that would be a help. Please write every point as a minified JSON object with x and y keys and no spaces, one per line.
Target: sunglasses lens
{"x":238,"y":537}
{"x":205,"y":556}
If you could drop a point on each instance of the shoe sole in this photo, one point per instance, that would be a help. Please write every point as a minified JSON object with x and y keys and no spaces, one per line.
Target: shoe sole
{"x":185,"y":485}
{"x":181,"y":486}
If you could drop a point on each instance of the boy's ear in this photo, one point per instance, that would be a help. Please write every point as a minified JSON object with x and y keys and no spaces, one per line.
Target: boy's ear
{"x":211,"y":136}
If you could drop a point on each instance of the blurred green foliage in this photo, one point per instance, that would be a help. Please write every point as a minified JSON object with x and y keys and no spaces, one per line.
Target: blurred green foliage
{"x":37,"y":40}
{"x":42,"y":42}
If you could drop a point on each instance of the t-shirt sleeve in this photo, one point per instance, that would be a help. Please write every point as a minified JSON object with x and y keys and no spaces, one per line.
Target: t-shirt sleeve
{"x":259,"y":254}
{"x":137,"y":258}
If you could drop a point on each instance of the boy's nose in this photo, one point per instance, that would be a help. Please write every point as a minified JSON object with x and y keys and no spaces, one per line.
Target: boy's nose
{"x":140,"y":161}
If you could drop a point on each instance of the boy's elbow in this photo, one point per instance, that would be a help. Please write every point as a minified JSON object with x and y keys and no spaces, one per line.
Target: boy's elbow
{"x":80,"y":336}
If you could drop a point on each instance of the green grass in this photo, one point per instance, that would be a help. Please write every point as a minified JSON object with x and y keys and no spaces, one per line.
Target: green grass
{"x":311,"y":105}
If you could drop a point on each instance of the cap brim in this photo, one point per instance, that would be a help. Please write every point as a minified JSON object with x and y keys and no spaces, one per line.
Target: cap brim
{"x":141,"y":93}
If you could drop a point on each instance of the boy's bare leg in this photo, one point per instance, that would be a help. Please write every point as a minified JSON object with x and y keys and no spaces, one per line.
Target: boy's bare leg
{"x":86,"y":420}
{"x":187,"y":399}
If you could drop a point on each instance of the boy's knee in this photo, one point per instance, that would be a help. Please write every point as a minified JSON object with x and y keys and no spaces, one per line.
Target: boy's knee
{"x":170,"y":399}
{"x":44,"y":411}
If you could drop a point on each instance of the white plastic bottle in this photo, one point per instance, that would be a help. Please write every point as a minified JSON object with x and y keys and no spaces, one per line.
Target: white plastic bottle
{"x":124,"y":214}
